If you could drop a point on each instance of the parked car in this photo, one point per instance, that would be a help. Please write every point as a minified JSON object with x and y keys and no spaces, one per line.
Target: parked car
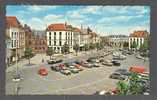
{"x":107,"y":62}
{"x":65,"y":71}
{"x":52,"y":61}
{"x":123,"y":71}
{"x":103,"y":92}
{"x":59,"y":61}
{"x":139,"y":57}
{"x":117,"y":75}
{"x":56,"y":68}
{"x":71,"y":67}
{"x":101,"y":60}
{"x":92,"y":59}
{"x":121,"y":57}
{"x":116,"y":63}
{"x":86,"y":64}
{"x":43,"y":71}
{"x":79,"y":67}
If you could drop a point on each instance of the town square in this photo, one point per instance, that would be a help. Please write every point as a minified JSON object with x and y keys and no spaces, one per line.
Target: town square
{"x":77,"y":50}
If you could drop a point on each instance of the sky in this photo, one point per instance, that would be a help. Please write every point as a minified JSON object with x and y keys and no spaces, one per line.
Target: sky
{"x":104,"y":20}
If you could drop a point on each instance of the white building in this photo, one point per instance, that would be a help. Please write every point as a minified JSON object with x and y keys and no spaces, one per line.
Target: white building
{"x":118,"y":40}
{"x":59,"y":34}
{"x":15,"y":32}
{"x":138,"y":37}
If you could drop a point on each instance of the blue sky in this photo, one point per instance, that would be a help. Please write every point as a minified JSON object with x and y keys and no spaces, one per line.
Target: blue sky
{"x":104,"y":20}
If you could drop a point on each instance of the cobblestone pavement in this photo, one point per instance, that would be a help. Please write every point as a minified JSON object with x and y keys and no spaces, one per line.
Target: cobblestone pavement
{"x":86,"y":82}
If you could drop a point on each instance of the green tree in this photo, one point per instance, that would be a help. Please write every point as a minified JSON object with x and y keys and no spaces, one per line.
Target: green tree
{"x":86,"y":47}
{"x":144,"y":46}
{"x":122,"y":87}
{"x":65,"y":48}
{"x":28,"y":54}
{"x":76,"y":48}
{"x":50,"y":51}
{"x":134,"y":45}
{"x":91,"y":46}
{"x":135,"y":87}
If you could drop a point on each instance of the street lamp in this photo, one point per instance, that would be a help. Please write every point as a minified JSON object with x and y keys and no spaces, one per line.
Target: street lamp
{"x":17,"y":76}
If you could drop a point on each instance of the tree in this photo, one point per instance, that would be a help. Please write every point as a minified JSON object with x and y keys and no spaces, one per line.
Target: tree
{"x":76,"y":48}
{"x":134,"y":45}
{"x":144,"y":46}
{"x":126,"y":44}
{"x":133,"y":87}
{"x":50,"y":51}
{"x":86,"y":47}
{"x":91,"y":46}
{"x":65,"y":48}
{"x":28,"y":54}
{"x":122,"y":87}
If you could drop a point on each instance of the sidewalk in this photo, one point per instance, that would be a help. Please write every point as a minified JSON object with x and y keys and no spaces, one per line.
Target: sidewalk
{"x":36,"y":60}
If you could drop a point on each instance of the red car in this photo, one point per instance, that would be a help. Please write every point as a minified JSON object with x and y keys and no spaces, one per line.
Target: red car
{"x":79,"y":67}
{"x":61,"y":66}
{"x":43,"y":71}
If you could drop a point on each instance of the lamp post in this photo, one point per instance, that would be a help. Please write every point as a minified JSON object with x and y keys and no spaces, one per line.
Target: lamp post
{"x":17,"y":76}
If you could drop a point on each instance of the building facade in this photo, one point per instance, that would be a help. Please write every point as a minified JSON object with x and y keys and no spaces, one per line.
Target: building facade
{"x":8,"y":50}
{"x":15,"y":32}
{"x":28,"y":37}
{"x":118,"y":40}
{"x":57,"y":35}
{"x":138,"y":37}
{"x":38,"y":41}
{"x":60,"y":34}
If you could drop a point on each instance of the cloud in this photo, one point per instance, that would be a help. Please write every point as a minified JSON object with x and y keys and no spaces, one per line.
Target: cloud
{"x":36,"y":8}
{"x":92,"y":10}
{"x":36,"y":23}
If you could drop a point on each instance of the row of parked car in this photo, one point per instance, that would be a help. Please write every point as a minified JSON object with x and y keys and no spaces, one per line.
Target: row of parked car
{"x":124,"y":74}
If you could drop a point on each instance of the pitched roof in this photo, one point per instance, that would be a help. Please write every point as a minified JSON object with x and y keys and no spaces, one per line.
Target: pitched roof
{"x":139,"y":34}
{"x":57,"y":27}
{"x":12,"y":21}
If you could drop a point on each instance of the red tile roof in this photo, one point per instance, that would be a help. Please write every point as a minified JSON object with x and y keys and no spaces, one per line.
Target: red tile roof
{"x":139,"y":34}
{"x":12,"y":21}
{"x":57,"y":27}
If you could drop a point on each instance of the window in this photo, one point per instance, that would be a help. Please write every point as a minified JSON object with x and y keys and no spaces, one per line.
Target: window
{"x":60,"y":33}
{"x":60,"y":43}
{"x":15,"y":43}
{"x":55,"y":43}
{"x":49,"y":33}
{"x":54,"y":35}
{"x":49,"y":37}
{"x":49,"y":42}
{"x":54,"y":48}
{"x":12,"y":34}
{"x":12,"y":44}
